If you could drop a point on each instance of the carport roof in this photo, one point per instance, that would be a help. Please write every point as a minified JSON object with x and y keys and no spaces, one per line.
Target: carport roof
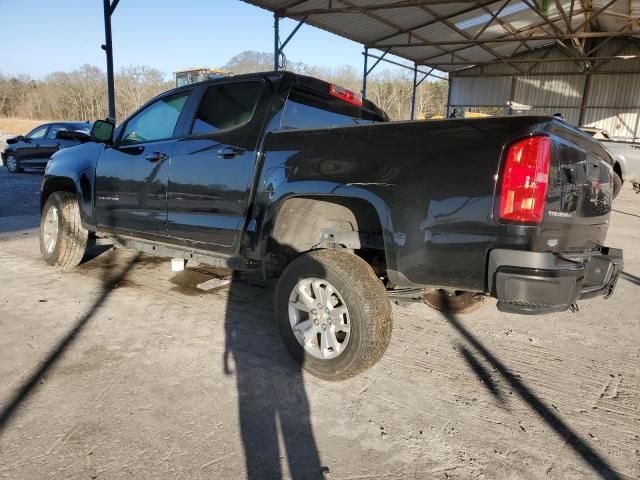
{"x":452,"y":35}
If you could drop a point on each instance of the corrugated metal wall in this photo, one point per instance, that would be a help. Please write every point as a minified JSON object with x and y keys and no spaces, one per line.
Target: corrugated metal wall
{"x":611,"y":100}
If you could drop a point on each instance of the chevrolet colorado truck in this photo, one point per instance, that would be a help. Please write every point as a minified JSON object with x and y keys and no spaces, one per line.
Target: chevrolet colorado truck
{"x":301,"y":180}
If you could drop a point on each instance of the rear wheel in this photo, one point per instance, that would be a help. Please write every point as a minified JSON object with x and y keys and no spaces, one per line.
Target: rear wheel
{"x":453,"y":301}
{"x":12,"y":164}
{"x":63,"y":240}
{"x":333,"y":314}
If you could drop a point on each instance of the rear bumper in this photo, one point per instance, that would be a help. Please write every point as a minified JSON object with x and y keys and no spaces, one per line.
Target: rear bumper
{"x":536,"y":283}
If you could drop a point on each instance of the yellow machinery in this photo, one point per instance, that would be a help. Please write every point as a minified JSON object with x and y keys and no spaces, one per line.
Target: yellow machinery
{"x":195,"y":75}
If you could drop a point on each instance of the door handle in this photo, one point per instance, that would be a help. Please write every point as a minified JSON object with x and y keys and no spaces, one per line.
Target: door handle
{"x":230,"y":152}
{"x":157,"y":157}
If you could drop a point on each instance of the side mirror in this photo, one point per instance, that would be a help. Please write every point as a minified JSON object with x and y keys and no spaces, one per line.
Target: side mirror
{"x":13,"y":140}
{"x":102,"y":131}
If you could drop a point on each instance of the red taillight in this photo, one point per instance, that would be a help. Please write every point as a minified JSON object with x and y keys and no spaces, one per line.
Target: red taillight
{"x":525,"y":180}
{"x":346,"y":95}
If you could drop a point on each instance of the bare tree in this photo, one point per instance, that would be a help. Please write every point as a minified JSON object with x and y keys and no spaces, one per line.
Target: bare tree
{"x":81,"y":94}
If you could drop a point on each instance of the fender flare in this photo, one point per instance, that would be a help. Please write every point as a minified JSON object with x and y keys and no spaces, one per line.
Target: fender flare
{"x":325,"y":191}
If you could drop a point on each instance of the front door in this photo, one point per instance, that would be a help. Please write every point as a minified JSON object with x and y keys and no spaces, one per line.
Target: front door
{"x":131,"y":175}
{"x":29,"y":150}
{"x":212,"y":169}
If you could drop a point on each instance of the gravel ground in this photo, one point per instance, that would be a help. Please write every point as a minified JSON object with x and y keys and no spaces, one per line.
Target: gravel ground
{"x":123,"y":369}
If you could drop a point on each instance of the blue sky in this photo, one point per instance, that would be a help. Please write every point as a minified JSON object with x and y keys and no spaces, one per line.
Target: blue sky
{"x":41,"y":36}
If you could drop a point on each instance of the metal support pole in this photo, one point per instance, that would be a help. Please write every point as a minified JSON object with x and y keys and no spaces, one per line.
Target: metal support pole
{"x":512,"y":94}
{"x":279,"y":48}
{"x":276,"y":42}
{"x":365,"y":73}
{"x":583,"y":103}
{"x":449,"y":84}
{"x":108,"y":48}
{"x":413,"y":96}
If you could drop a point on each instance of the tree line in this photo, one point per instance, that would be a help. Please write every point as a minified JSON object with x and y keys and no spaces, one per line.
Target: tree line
{"x":81,"y":94}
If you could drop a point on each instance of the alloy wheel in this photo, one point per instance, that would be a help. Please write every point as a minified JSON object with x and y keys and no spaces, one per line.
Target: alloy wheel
{"x":319,"y":318}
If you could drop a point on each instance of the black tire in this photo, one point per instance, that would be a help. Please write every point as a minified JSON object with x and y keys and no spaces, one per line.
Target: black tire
{"x":71,"y":238}
{"x":363,"y":294}
{"x":12,"y":163}
{"x":617,"y":184}
{"x":453,"y":301}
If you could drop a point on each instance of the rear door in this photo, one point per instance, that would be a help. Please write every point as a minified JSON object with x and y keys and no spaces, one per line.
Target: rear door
{"x":50,"y":144}
{"x":30,"y":151}
{"x":212,"y":169}
{"x":131,"y":176}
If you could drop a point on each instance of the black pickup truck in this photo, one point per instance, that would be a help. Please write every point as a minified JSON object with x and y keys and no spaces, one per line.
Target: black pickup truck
{"x":303,"y":180}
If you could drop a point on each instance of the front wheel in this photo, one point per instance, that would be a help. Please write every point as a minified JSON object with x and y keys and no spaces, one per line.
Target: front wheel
{"x":333,"y":313}
{"x":63,"y":240}
{"x":12,"y":164}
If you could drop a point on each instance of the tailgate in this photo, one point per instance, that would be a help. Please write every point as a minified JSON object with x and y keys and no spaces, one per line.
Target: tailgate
{"x":580,"y":193}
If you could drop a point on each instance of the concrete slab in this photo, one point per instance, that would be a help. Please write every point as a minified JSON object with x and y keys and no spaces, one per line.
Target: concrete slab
{"x":123,"y":369}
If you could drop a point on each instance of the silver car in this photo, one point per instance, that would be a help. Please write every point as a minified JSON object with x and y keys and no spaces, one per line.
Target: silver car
{"x":626,"y":156}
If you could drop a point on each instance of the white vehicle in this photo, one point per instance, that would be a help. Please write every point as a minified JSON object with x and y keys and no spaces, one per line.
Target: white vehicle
{"x":626,"y":156}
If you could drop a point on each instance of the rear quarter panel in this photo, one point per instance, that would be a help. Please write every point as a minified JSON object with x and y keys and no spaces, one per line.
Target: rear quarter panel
{"x":431,"y":182}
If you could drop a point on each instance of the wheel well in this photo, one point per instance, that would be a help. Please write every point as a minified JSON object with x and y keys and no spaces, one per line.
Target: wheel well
{"x":59,"y":184}
{"x":618,"y":169}
{"x":300,"y":222}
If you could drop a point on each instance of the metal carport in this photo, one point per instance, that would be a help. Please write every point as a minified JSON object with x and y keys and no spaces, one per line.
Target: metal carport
{"x":468,"y":38}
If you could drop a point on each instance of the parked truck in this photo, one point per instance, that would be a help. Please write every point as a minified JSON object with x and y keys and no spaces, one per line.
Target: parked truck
{"x":306,"y":182}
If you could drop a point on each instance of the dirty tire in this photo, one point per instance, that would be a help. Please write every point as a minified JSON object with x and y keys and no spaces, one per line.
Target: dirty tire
{"x":71,"y":239}
{"x":459,"y":302}
{"x":365,"y":298}
{"x":617,"y":184}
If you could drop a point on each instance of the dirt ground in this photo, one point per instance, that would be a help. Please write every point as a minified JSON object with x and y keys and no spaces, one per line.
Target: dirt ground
{"x":19,"y":126}
{"x":123,"y":369}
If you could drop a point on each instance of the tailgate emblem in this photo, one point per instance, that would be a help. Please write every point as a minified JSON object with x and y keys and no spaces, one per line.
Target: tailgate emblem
{"x":555,"y":213}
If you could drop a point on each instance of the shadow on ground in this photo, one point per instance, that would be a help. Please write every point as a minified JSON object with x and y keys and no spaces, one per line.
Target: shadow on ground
{"x":595,"y":461}
{"x":274,"y":414}
{"x":111,"y":278}
{"x":273,"y":407}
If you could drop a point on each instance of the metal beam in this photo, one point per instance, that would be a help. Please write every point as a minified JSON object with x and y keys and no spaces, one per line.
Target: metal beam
{"x":408,"y":67}
{"x":535,"y":60}
{"x":276,"y":42}
{"x":108,"y":9}
{"x":530,"y":28}
{"x":413,"y":93}
{"x":432,"y":22}
{"x":567,"y":107}
{"x":391,"y":24}
{"x":278,"y":48}
{"x":379,"y":59}
{"x":364,"y":73}
{"x":461,"y":74}
{"x":515,"y":39}
{"x":364,"y":8}
{"x":462,"y":33}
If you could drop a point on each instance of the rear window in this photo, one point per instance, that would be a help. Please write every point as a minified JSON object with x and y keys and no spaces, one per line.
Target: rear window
{"x":312,"y":110}
{"x":226,"y":106}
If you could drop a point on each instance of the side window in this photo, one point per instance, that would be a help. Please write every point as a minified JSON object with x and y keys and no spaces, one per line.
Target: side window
{"x":38,"y":132}
{"x":156,"y":122}
{"x":54,"y":130}
{"x":226,"y":106}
